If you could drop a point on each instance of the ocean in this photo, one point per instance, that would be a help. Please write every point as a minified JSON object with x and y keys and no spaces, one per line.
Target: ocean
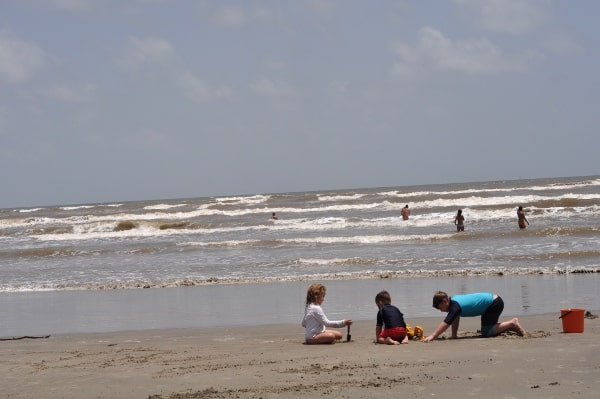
{"x":219,"y":261}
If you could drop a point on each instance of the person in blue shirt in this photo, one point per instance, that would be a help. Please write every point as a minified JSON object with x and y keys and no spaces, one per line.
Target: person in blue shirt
{"x":485,"y":304}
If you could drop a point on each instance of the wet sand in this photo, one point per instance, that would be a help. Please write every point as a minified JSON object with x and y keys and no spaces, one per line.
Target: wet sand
{"x":68,"y":312}
{"x":272,"y":362}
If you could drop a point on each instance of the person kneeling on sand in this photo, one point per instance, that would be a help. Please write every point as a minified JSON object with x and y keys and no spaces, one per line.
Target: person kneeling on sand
{"x":485,"y":304}
{"x":390,"y":328}
{"x":315,"y":320}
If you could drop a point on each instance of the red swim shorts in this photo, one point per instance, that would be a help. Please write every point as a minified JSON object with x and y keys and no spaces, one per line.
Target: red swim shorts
{"x":395,"y":333}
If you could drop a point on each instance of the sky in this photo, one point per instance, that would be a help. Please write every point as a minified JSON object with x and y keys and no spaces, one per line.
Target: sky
{"x":124,"y":100}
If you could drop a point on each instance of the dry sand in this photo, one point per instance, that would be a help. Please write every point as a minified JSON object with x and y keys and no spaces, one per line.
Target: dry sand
{"x":272,"y":362}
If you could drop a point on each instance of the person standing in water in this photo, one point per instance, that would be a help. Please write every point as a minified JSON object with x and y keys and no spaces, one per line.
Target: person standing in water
{"x":522,"y":219}
{"x":405,"y":212}
{"x":459,"y":221}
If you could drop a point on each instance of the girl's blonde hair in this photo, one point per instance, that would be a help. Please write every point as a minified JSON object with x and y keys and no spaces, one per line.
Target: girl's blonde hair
{"x":314,"y":291}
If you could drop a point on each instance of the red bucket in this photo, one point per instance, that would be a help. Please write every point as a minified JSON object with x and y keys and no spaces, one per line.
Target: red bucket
{"x":572,"y":320}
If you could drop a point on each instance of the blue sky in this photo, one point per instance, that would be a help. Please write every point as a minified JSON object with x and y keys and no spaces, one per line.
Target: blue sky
{"x":117,"y":100}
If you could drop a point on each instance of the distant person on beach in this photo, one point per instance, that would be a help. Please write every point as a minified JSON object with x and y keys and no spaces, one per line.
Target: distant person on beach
{"x":405,"y":212}
{"x":485,"y":304}
{"x":274,"y":216}
{"x":522,"y":218}
{"x":315,"y":320}
{"x":390,"y":328}
{"x":459,"y":221}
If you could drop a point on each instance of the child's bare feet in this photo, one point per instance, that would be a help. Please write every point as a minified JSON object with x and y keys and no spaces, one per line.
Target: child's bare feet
{"x":518,"y":327}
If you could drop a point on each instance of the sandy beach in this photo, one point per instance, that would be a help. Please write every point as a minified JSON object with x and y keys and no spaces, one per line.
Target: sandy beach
{"x":272,"y":362}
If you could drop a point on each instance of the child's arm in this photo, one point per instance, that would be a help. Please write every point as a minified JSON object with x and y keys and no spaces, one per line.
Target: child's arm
{"x":320,"y":315}
{"x":377,"y":332}
{"x":438,"y":331}
{"x":455,"y":327}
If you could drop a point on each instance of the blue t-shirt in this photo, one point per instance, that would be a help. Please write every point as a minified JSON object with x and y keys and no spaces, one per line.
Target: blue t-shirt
{"x":468,"y":305}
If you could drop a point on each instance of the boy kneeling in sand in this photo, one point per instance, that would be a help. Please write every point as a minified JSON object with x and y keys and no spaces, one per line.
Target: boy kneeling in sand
{"x":485,"y":304}
{"x":391,"y":328}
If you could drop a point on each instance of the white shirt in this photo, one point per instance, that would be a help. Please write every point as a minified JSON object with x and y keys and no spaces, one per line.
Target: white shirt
{"x":315,"y":321}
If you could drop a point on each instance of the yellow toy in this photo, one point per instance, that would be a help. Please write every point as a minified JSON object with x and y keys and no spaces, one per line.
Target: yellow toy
{"x":416,"y":333}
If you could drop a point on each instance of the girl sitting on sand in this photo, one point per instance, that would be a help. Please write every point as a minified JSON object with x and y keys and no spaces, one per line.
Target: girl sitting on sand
{"x":315,"y":320}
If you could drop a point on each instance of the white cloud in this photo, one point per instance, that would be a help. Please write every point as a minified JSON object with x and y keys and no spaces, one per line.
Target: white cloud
{"x":148,"y":52}
{"x":148,"y":139}
{"x":230,"y":16}
{"x":74,"y":5}
{"x":273,"y":65}
{"x":562,"y":45}
{"x":19,"y":59}
{"x":74,"y":94}
{"x":340,"y":87}
{"x":153,"y":1}
{"x":158,"y":59}
{"x":435,"y":51}
{"x":224,"y":93}
{"x":197,"y":90}
{"x":507,"y":16}
{"x":321,"y":6}
{"x":274,"y":89}
{"x":238,"y":17}
{"x":194,"y":87}
{"x":3,"y":114}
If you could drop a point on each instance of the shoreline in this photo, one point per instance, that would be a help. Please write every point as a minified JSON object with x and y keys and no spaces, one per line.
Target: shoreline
{"x":271,"y":361}
{"x":58,"y":312}
{"x":347,"y":276}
